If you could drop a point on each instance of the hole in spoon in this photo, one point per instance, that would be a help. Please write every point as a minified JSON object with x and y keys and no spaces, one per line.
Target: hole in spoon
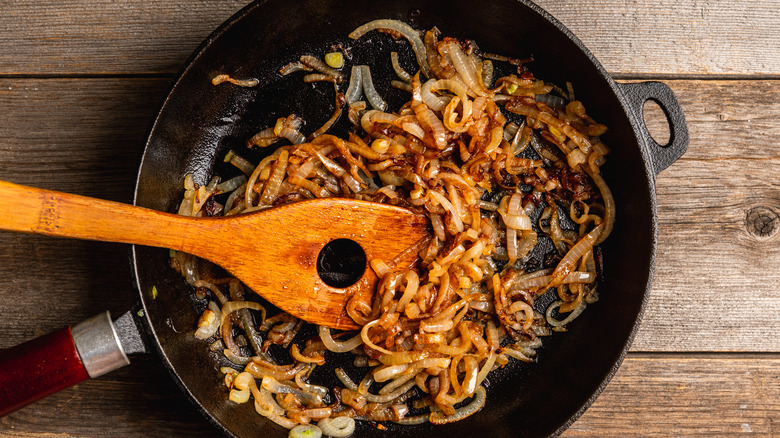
{"x":341,"y":263}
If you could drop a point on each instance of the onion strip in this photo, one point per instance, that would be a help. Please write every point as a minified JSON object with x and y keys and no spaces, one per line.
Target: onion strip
{"x":439,"y":417}
{"x":404,"y":29}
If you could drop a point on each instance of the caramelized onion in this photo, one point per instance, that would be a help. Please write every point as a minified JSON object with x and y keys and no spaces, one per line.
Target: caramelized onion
{"x":444,"y":321}
{"x":338,"y":347}
{"x":479,"y":401}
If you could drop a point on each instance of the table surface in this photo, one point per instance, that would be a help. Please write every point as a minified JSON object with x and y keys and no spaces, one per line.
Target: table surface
{"x":80,"y":81}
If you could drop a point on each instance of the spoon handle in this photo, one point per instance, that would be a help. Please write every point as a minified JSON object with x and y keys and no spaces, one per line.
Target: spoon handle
{"x":32,"y":210}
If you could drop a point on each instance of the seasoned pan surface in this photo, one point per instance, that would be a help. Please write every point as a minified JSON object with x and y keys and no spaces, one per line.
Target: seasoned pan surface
{"x":198,"y":123}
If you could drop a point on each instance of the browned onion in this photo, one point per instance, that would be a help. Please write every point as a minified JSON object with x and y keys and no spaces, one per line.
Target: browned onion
{"x":451,"y":154}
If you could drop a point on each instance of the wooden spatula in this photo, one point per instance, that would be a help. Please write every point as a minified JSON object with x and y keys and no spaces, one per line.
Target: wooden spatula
{"x":274,"y":251}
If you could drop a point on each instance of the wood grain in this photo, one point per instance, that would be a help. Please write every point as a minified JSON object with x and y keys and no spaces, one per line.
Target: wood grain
{"x":716,"y":274}
{"x":630,"y":37}
{"x":693,"y":395}
{"x":698,"y":38}
{"x":104,"y":37}
{"x":76,"y":135}
{"x":716,"y":278}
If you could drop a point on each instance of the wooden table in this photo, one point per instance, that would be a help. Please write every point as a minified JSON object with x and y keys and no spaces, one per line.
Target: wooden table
{"x":80,"y":81}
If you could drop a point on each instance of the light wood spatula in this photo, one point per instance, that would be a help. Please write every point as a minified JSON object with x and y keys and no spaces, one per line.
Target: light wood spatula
{"x":274,"y":252}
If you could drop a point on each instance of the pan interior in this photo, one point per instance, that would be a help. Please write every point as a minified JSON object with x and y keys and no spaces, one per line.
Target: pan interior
{"x":199,"y":123}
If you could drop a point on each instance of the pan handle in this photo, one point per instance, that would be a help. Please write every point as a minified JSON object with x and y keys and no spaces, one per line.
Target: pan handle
{"x":53,"y":362}
{"x":637,"y":94}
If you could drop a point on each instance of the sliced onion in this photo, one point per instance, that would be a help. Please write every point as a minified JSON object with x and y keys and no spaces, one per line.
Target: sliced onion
{"x":372,"y":117}
{"x":296,"y":354}
{"x":431,"y":122}
{"x":293,"y":135}
{"x":262,"y":139}
{"x":315,"y":389}
{"x":293,"y":67}
{"x":487,"y":73}
{"x":402,"y":74}
{"x":305,"y":431}
{"x":231,"y":184}
{"x":609,"y":204}
{"x":517,"y":221}
{"x":401,"y":85}
{"x":385,"y":398}
{"x":386,"y":373}
{"x":550,"y":100}
{"x":438,"y":227}
{"x":239,"y":395}
{"x":266,"y":406}
{"x":355,"y":88}
{"x":439,"y":417}
{"x":486,"y":367}
{"x":232,"y":306}
{"x":367,"y":340}
{"x":414,"y":421}
{"x":346,"y":380}
{"x":395,"y":383}
{"x":369,"y":90}
{"x":276,"y":387}
{"x":466,"y":70}
{"x":271,"y":189}
{"x":210,"y":328}
{"x":433,"y":101}
{"x":571,"y":317}
{"x":576,"y":252}
{"x":336,"y":346}
{"x":511,"y":244}
{"x":444,"y":202}
{"x":455,"y":87}
{"x":328,"y":123}
{"x":414,"y":129}
{"x":319,"y":65}
{"x":337,"y":427}
{"x":404,"y":29}
{"x":236,"y":359}
{"x":218,"y":79}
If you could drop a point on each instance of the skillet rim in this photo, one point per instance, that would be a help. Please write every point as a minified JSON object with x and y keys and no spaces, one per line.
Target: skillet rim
{"x":636,"y":128}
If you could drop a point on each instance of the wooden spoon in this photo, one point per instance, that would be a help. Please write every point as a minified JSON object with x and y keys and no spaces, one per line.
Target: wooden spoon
{"x":274,"y":251}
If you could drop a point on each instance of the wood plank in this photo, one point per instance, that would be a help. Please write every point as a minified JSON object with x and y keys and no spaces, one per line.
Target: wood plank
{"x":716,"y":276}
{"x":651,"y":395}
{"x":82,"y":136}
{"x":105,"y":37}
{"x":630,"y":37}
{"x":672,"y":395}
{"x":670,"y":37}
{"x":69,"y":134}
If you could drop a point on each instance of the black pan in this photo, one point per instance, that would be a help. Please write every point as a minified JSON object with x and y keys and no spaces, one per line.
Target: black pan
{"x":198,"y":123}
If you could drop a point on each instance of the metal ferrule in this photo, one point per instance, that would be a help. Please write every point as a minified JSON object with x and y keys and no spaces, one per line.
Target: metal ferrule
{"x":98,"y":345}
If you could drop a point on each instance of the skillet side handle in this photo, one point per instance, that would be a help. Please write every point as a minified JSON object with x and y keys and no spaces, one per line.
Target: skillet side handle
{"x":637,"y":94}
{"x":53,"y":362}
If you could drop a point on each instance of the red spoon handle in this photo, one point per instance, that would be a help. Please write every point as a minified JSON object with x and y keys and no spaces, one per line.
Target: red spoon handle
{"x":38,"y":368}
{"x":53,"y":362}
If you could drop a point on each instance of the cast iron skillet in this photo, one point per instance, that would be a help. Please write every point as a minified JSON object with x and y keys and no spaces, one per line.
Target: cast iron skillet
{"x":199,"y":122}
